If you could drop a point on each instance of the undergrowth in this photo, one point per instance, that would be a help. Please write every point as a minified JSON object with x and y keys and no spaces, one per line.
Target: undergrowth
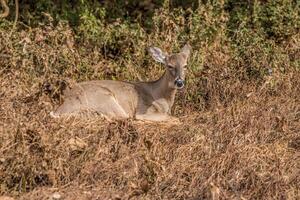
{"x":239,"y":136}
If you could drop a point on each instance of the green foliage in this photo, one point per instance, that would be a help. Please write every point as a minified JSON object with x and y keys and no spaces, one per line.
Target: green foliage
{"x":279,"y":19}
{"x":202,"y":19}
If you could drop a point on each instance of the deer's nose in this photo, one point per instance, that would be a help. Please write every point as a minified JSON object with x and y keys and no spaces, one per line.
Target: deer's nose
{"x":179,"y":83}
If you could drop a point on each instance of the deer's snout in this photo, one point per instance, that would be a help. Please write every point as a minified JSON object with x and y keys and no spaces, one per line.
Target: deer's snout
{"x":179,"y":83}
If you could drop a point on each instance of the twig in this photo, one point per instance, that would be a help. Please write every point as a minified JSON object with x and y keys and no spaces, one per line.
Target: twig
{"x":16,"y":18}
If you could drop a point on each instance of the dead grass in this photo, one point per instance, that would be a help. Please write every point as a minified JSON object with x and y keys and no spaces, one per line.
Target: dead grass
{"x":239,"y":140}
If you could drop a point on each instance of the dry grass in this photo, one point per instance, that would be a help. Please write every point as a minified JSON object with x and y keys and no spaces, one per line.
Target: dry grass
{"x":239,"y":140}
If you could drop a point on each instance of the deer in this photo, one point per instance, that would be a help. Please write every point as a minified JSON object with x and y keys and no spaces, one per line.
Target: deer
{"x":116,"y":100}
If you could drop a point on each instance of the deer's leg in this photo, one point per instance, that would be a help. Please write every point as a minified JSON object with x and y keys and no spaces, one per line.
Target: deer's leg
{"x":111,"y":108}
{"x":157,"y":117}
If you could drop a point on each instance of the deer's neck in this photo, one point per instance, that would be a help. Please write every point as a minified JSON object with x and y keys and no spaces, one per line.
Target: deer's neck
{"x":162,"y":88}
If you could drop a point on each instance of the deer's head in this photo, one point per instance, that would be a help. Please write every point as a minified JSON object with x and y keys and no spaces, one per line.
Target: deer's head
{"x":175,"y":64}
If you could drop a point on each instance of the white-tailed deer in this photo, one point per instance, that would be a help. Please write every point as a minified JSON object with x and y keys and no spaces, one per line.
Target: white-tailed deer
{"x":149,"y":101}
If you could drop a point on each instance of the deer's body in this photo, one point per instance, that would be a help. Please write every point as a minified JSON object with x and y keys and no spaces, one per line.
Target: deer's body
{"x":120,"y":100}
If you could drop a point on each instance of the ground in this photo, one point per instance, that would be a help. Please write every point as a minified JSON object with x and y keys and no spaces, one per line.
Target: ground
{"x":239,"y":130}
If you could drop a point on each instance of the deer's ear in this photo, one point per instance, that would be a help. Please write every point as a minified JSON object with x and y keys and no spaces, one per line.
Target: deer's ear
{"x":158,"y":54}
{"x":186,"y":50}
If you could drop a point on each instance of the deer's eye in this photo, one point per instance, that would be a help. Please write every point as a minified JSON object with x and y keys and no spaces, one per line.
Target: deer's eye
{"x":170,"y":67}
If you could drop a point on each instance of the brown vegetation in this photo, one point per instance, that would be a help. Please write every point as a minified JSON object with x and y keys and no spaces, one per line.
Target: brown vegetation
{"x":239,"y":137}
{"x":6,"y":9}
